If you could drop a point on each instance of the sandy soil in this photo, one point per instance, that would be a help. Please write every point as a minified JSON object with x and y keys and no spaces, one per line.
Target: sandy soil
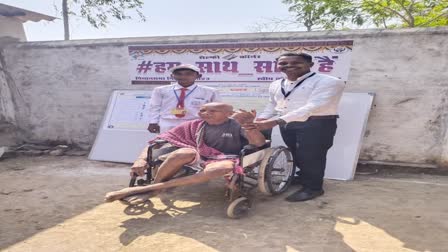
{"x":55,"y":204}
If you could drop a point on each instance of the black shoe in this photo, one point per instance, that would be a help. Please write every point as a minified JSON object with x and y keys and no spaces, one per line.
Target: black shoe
{"x":304,"y":195}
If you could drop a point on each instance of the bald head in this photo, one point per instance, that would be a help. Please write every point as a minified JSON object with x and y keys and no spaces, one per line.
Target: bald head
{"x":224,"y":107}
{"x":215,"y":112}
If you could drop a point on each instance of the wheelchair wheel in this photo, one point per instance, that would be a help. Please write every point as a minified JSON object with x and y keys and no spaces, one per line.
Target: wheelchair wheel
{"x":276,"y":171}
{"x":238,"y":208}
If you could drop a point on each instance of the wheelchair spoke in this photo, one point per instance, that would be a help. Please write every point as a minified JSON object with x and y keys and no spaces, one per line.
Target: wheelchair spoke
{"x":280,"y":182}
{"x":278,"y":171}
{"x":252,"y":177}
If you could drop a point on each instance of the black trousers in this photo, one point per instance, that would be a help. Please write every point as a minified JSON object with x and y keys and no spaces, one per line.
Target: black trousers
{"x":309,"y":142}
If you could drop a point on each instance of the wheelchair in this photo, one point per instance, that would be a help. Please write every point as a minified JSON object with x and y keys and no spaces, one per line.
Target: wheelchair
{"x":269,"y":169}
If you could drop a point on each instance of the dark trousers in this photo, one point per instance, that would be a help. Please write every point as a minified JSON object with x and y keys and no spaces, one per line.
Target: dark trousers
{"x":309,"y":142}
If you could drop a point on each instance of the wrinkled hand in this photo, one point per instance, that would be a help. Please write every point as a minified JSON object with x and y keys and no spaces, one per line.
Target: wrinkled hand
{"x":244,"y":117}
{"x":154,"y":128}
{"x":139,"y":169}
{"x":249,"y":126}
{"x":265,"y":124}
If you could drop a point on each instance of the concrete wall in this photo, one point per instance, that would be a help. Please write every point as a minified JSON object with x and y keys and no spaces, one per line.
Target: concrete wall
{"x":7,"y":110}
{"x":8,"y":128}
{"x":66,"y":85}
{"x":5,"y":98}
{"x":12,"y":27}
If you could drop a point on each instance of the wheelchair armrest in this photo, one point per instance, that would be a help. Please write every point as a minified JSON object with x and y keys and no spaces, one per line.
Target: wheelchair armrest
{"x":154,"y":145}
{"x":157,"y":143}
{"x":250,"y":148}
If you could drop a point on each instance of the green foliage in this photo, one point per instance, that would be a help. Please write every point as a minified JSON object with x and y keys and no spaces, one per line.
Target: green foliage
{"x":337,"y":14}
{"x":98,"y":12}
{"x":325,"y":14}
{"x":407,"y":13}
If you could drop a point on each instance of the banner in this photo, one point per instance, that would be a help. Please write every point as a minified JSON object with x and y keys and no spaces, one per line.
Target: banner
{"x":235,"y":62}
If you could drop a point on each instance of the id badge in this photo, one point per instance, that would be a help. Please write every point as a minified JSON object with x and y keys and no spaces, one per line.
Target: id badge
{"x":178,"y":111}
{"x":281,"y":104}
{"x":197,"y":102}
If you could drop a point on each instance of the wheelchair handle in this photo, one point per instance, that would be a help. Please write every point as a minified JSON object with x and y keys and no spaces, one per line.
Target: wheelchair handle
{"x":133,"y":179}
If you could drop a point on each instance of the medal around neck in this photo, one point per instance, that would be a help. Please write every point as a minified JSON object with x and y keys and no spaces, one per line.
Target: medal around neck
{"x":179,"y":112}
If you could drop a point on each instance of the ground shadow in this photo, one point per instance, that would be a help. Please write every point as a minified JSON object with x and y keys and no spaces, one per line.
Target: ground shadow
{"x":371,"y":212}
{"x":333,"y":222}
{"x":265,"y":228}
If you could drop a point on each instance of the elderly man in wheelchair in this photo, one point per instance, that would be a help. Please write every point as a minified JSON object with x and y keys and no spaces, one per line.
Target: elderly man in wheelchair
{"x":219,"y":144}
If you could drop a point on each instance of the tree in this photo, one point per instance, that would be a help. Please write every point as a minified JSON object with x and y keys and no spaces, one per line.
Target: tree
{"x":98,"y":12}
{"x":334,"y":14}
{"x":407,"y":13}
{"x":325,"y":14}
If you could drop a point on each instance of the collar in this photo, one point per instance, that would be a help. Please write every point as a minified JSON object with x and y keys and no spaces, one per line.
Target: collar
{"x":298,"y":79}
{"x":217,"y":125}
{"x":178,"y":87}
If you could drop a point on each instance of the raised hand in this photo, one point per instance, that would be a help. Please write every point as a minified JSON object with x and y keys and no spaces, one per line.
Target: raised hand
{"x":244,"y":117}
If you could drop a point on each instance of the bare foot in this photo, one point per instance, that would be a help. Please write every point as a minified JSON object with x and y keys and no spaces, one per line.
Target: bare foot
{"x":116,"y":195}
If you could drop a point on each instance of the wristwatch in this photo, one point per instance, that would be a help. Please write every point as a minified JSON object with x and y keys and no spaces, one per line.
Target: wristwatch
{"x":280,"y":122}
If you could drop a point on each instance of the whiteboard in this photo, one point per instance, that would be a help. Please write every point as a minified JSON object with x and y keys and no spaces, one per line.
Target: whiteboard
{"x":123,"y":135}
{"x":342,"y":158}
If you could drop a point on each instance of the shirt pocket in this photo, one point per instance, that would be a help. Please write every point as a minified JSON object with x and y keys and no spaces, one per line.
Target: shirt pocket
{"x":197,"y":102}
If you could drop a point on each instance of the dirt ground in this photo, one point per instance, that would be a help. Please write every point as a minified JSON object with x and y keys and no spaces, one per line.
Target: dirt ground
{"x":56,"y":204}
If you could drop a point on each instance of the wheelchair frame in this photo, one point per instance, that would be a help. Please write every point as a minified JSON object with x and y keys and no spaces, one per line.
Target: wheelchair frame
{"x":259,"y":173}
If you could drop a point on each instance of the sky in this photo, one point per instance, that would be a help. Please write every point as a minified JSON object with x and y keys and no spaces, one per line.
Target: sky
{"x":168,"y":17}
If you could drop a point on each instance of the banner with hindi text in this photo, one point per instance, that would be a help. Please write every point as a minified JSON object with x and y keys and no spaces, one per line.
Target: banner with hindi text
{"x":235,"y":62}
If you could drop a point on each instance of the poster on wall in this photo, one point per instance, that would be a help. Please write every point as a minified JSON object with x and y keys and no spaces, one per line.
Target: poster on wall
{"x":235,"y":62}
{"x":130,"y":111}
{"x":123,"y":135}
{"x":243,"y":95}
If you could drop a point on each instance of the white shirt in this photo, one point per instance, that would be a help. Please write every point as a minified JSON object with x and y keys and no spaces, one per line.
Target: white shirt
{"x":289,"y":84}
{"x":318,"y":95}
{"x":164,"y":100}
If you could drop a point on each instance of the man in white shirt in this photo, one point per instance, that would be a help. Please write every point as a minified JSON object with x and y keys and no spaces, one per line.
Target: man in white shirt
{"x":305,"y":106}
{"x":173,"y":104}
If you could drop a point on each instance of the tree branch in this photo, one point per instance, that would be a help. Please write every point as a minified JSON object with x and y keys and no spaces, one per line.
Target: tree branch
{"x":408,"y":11}
{"x":435,"y":18}
{"x":390,"y":10}
{"x":384,"y":22}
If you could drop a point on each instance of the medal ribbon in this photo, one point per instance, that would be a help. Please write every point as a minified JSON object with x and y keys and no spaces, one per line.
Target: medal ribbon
{"x":181,"y":100}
